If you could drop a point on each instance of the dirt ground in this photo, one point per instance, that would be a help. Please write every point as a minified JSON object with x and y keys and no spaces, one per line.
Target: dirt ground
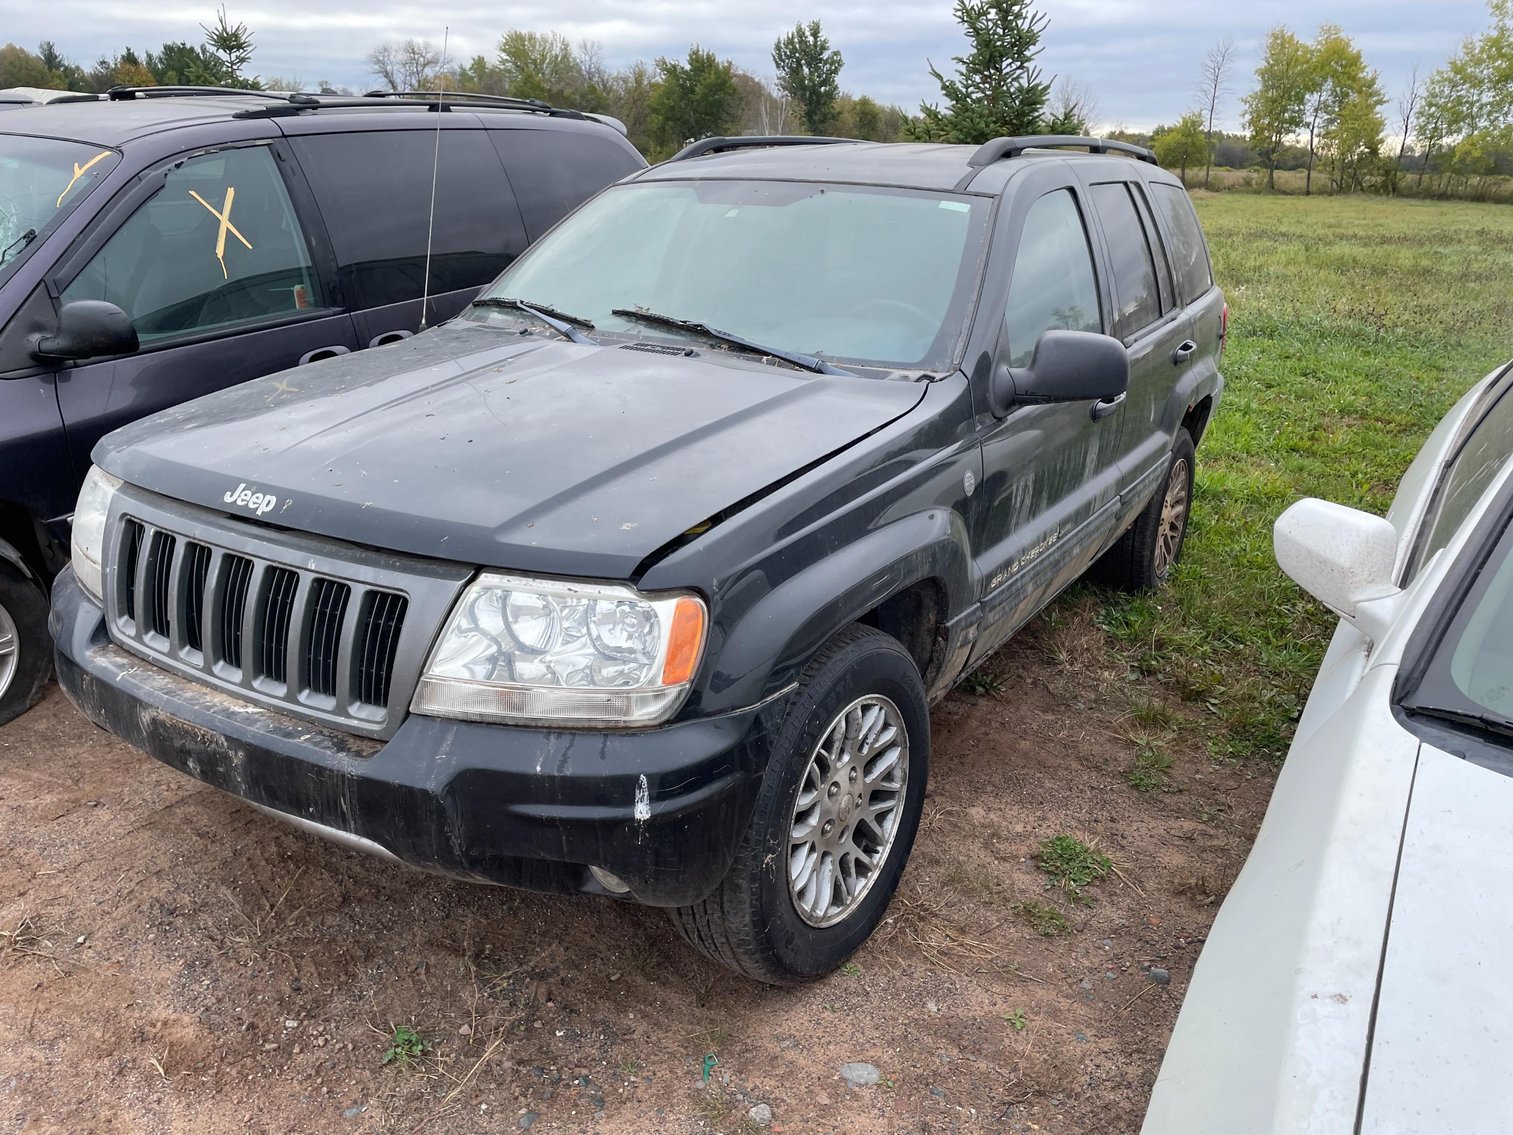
{"x":174,"y":961}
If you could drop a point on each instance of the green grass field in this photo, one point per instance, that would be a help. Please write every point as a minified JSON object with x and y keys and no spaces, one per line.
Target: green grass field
{"x":1356,"y":322}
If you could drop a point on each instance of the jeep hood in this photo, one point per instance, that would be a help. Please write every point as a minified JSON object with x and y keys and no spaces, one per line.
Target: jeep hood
{"x":482,"y":446}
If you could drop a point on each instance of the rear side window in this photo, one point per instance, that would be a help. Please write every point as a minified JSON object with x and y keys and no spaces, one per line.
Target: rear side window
{"x":374,"y":191}
{"x":1053,"y":286}
{"x":555,"y":171}
{"x":1130,"y":260}
{"x":1189,"y":252}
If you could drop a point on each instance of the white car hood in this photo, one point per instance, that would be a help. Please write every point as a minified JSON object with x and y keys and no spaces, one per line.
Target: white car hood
{"x":1442,"y":1045}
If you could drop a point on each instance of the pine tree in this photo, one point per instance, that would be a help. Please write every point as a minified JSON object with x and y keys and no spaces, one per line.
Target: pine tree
{"x":231,"y":46}
{"x":997,"y":89}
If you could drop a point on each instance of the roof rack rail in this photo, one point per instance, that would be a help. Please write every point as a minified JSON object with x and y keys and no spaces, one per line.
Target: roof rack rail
{"x":751,"y":142}
{"x":990,"y":152}
{"x":469,"y":98}
{"x":125,"y":93}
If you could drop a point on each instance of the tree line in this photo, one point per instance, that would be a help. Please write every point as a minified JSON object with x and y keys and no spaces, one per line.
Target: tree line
{"x":994,"y":88}
{"x":1317,"y":106}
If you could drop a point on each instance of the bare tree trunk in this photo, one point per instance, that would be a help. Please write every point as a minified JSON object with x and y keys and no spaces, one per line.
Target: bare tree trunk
{"x":1407,"y":104}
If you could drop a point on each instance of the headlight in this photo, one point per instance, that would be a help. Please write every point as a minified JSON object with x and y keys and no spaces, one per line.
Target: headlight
{"x":89,"y":529}
{"x":557,"y":653}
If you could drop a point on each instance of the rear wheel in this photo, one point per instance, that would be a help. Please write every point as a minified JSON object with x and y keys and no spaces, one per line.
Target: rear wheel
{"x":834,"y":821}
{"x":26,"y":655}
{"x":1143,"y":558}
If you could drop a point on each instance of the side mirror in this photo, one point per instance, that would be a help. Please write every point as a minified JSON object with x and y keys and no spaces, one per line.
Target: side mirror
{"x":1344,"y":558}
{"x":87,"y":329}
{"x":1068,"y":366}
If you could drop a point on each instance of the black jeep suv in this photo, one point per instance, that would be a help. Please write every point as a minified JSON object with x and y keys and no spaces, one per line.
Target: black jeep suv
{"x":167,"y":242}
{"x":639,"y":576}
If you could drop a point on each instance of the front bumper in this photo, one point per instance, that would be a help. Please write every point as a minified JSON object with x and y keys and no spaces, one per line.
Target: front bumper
{"x":662,"y":809}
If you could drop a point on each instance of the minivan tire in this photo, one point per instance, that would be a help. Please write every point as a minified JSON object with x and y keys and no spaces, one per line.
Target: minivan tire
{"x":1144,"y":557}
{"x":26,"y":651}
{"x":834,"y":742}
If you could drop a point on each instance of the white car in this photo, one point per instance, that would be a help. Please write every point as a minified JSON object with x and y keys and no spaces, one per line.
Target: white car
{"x":1356,"y":980}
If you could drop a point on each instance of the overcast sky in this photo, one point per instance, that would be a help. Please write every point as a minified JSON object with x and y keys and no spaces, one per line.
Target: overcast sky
{"x":1139,"y":58}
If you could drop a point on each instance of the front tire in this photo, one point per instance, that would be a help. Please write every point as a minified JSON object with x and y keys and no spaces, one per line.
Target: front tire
{"x":834,"y":820}
{"x":26,"y":651}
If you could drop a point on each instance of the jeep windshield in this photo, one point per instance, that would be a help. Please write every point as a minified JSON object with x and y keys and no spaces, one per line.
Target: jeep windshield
{"x":875,"y":277}
{"x":42,"y":180}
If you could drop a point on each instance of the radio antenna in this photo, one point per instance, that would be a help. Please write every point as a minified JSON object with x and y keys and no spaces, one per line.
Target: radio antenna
{"x":425,"y":288}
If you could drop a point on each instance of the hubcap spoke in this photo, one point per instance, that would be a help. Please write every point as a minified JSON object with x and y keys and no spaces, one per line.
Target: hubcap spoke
{"x":9,"y":648}
{"x":1173,"y":518}
{"x":845,"y":812}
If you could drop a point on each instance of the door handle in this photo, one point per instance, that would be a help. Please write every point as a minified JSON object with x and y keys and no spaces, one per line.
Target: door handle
{"x":320,"y":353}
{"x":1184,"y":352}
{"x":1104,"y":409}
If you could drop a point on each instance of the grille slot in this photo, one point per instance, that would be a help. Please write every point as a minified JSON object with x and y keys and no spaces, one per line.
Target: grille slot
{"x":159,"y":569}
{"x":237,"y":575}
{"x":328,"y":609}
{"x":196,"y":570}
{"x":379,"y":625}
{"x":280,"y":586}
{"x":131,"y":549}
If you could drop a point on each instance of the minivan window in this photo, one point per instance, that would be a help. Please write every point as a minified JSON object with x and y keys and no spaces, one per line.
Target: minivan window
{"x":42,"y":180}
{"x":1130,"y":260}
{"x":1194,"y":276}
{"x":553,"y":171}
{"x":1053,"y":286}
{"x":875,"y":276}
{"x":217,"y":245}
{"x":374,"y":190}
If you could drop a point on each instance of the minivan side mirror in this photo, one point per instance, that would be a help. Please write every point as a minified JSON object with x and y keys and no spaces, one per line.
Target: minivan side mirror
{"x":1068,"y":366}
{"x":87,"y":329}
{"x":1342,"y":557}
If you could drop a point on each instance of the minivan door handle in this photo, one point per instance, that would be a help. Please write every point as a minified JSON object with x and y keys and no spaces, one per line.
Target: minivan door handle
{"x":320,"y":353}
{"x":1184,"y":352}
{"x":1102,"y":410}
{"x":389,"y":337}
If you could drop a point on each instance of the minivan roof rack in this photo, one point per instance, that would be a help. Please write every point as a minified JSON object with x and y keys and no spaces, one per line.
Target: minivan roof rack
{"x":751,"y":142}
{"x":990,"y":152}
{"x":470,"y":98}
{"x":125,"y":93}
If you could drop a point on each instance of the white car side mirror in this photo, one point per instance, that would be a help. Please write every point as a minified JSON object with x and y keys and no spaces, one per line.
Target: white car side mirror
{"x":1342,"y":557}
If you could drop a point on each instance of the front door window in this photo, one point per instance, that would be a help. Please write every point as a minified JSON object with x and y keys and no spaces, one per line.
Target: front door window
{"x":216,"y":247}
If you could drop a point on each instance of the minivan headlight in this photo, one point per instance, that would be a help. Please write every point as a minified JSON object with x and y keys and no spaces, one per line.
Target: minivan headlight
{"x":88,"y":539}
{"x":554,"y":652}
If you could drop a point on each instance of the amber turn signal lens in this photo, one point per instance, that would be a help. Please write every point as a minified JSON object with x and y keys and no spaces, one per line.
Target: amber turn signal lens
{"x":685,"y":643}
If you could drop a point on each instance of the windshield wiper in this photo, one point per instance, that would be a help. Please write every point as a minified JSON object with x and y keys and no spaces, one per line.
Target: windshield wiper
{"x":693,"y":327}
{"x":558,"y":321}
{"x":1484,"y":721}
{"x":23,"y":240}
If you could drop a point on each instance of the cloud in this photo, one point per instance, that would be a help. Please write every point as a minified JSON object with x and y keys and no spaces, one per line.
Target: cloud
{"x":1139,"y":58}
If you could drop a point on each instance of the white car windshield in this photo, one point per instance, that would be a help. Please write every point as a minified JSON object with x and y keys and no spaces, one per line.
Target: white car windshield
{"x":1466,"y":682}
{"x":873,"y":276}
